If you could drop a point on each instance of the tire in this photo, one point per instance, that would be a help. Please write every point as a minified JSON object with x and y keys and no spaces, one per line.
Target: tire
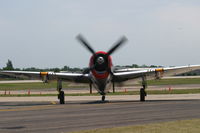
{"x":103,"y":98}
{"x":142,"y":94}
{"x":62,"y":97}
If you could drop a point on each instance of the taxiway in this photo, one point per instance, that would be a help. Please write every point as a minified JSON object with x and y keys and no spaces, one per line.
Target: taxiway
{"x":48,"y":117}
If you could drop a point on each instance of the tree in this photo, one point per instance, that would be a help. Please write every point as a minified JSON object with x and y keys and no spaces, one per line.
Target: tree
{"x":9,"y":65}
{"x":135,"y":66}
{"x":65,"y":68}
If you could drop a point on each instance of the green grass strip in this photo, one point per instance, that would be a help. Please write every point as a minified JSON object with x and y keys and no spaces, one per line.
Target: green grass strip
{"x":53,"y":84}
{"x":181,"y":126}
{"x":177,"y":81}
{"x":30,"y":86}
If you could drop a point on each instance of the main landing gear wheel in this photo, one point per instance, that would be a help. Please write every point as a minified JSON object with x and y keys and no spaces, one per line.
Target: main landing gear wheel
{"x":103,"y":98}
{"x":62,"y":97}
{"x":142,"y":94}
{"x":142,"y":90}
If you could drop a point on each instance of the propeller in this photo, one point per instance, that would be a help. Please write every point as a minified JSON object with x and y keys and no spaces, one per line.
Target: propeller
{"x":83,"y":41}
{"x":117,"y":45}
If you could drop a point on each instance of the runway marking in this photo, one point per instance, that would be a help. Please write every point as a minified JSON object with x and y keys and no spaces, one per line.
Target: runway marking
{"x":53,"y":102}
{"x":40,"y":107}
{"x":27,"y":108}
{"x":55,"y":105}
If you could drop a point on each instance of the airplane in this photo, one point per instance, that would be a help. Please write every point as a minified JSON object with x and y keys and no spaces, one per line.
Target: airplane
{"x":101,"y":73}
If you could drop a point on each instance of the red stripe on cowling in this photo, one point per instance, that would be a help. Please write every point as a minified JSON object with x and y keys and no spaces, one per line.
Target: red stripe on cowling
{"x":100,"y":76}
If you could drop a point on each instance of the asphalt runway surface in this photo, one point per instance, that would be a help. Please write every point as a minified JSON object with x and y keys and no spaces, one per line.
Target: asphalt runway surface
{"x":49,"y":117}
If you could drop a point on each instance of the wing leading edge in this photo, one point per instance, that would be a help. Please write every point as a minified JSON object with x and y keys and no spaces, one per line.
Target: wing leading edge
{"x":75,"y":77}
{"x":118,"y":76}
{"x":153,"y":72}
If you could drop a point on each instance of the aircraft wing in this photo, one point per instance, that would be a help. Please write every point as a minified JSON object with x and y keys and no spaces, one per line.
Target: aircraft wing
{"x":155,"y":73}
{"x":75,"y":77}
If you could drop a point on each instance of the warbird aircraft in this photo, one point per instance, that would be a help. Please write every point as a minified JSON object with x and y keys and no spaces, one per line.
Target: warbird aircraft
{"x":101,"y":74}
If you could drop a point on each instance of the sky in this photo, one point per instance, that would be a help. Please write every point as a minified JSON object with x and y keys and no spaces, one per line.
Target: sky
{"x":42,"y":33}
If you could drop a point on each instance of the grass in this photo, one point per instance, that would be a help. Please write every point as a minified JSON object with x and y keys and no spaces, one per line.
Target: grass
{"x":53,"y":84}
{"x":149,"y":92}
{"x":181,"y":126}
{"x":174,"y":81}
{"x":29,"y":86}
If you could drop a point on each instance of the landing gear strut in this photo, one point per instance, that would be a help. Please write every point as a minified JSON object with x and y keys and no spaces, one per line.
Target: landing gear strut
{"x":90,"y":88}
{"x":103,"y":98}
{"x":62,"y":97}
{"x":61,"y":94}
{"x":142,"y":90}
{"x":113,"y":87}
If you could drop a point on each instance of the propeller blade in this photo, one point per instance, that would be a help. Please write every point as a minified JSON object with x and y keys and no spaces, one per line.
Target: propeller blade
{"x":83,"y":41}
{"x":117,"y":45}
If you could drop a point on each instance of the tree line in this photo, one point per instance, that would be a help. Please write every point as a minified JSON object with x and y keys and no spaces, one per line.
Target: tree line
{"x":9,"y":66}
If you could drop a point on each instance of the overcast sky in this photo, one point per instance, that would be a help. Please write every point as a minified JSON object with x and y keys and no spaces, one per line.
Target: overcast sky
{"x":41,"y":33}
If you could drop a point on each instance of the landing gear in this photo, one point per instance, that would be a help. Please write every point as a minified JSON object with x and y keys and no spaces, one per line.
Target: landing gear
{"x":90,"y":88}
{"x":62,"y":97}
{"x":103,"y":98}
{"x":142,"y":94}
{"x":61,"y":94}
{"x":113,"y":87}
{"x":142,"y":90}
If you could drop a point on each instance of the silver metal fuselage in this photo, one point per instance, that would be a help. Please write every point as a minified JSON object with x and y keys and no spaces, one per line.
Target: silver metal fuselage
{"x":101,"y":85}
